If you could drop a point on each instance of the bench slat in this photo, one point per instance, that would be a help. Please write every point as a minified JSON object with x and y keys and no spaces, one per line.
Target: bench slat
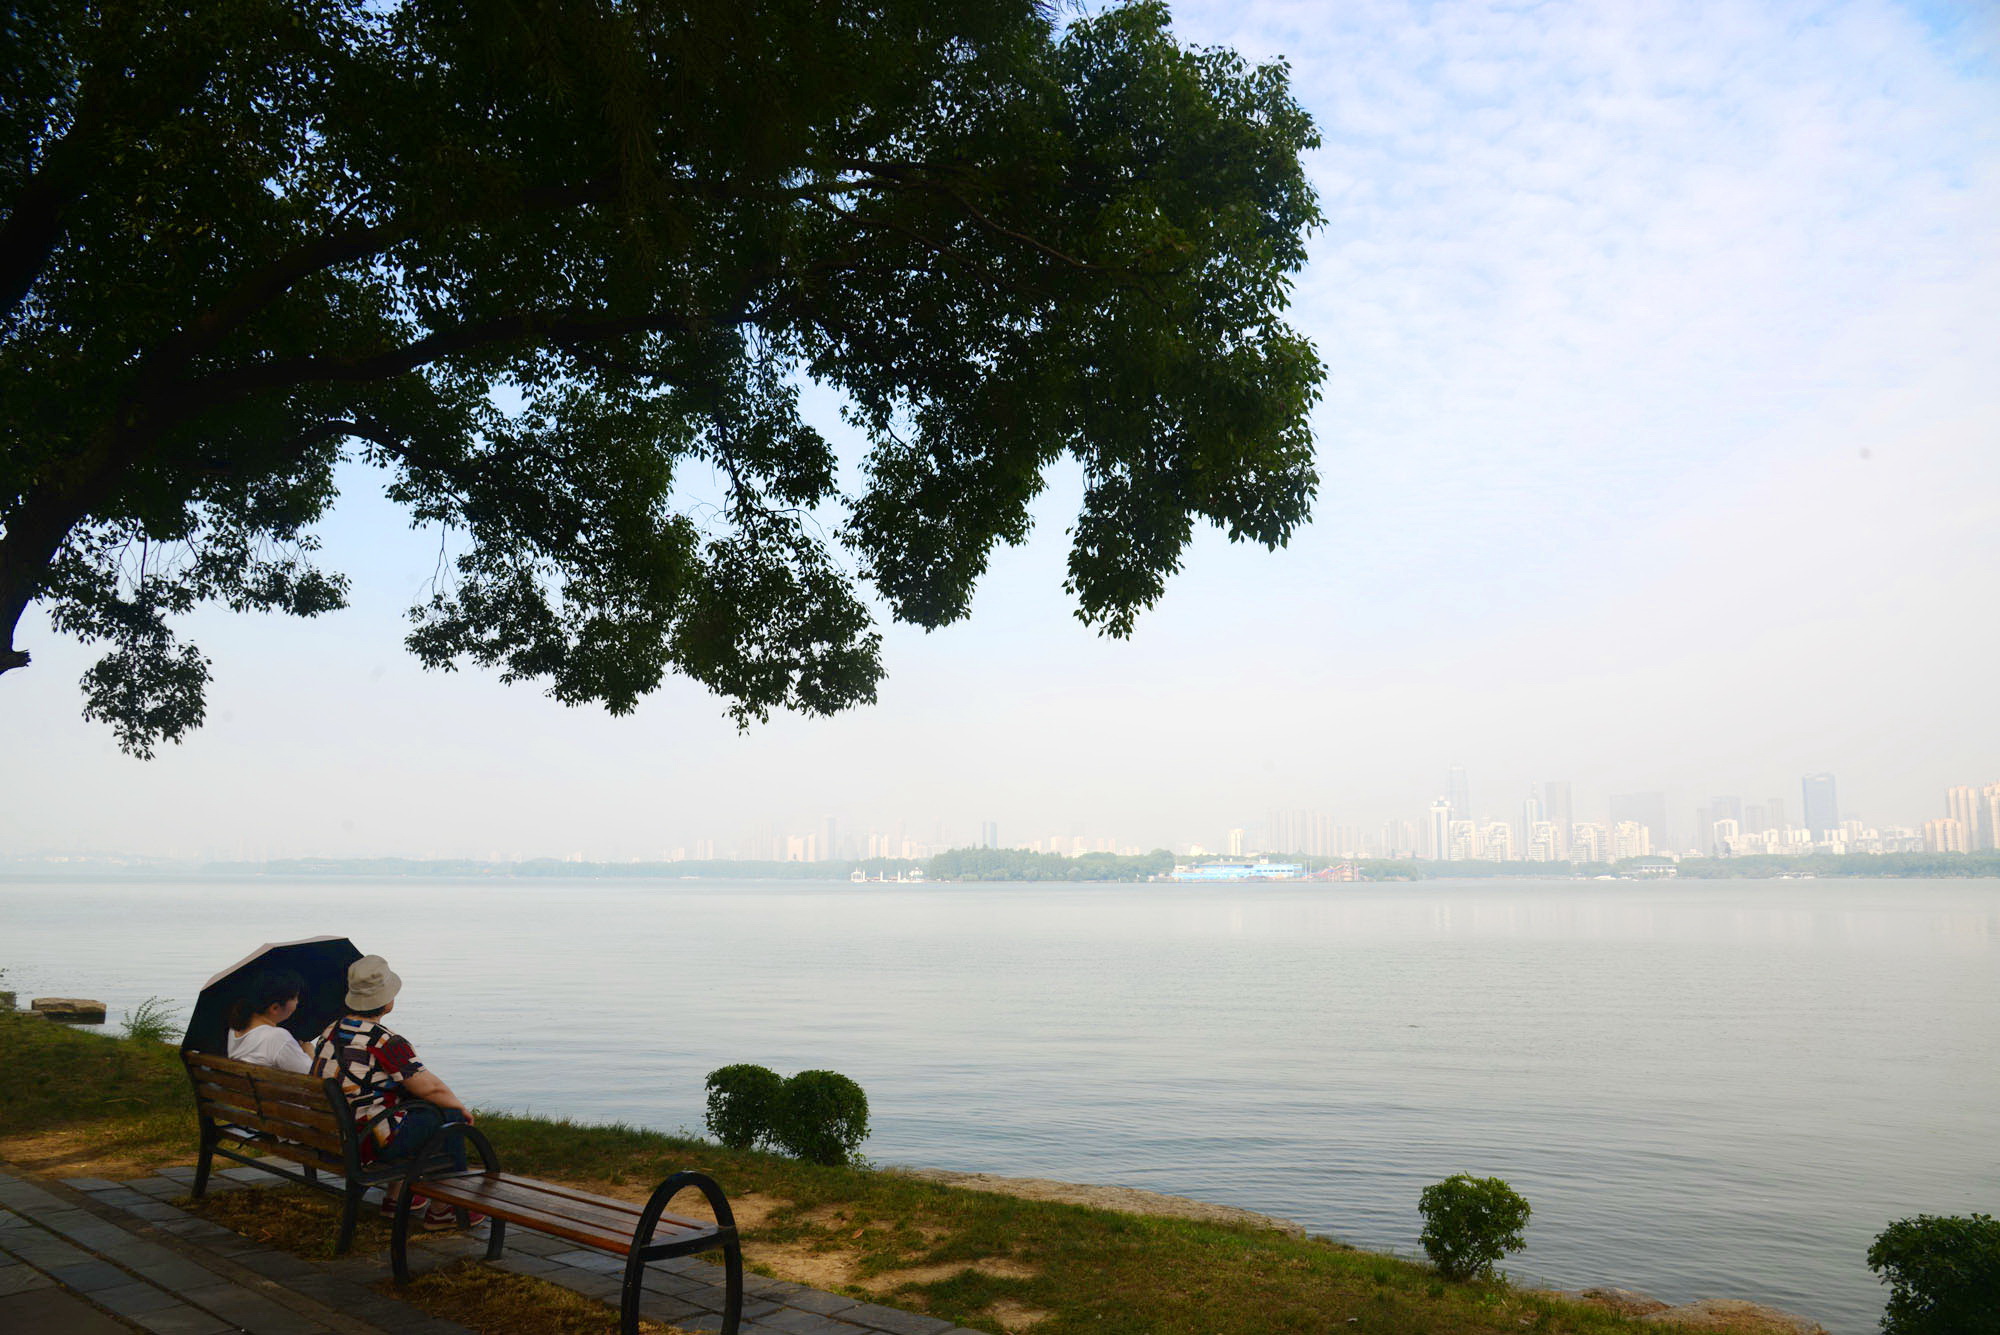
{"x":279,"y":1103}
{"x":305,"y":1154}
{"x":595,"y":1221}
{"x":224,"y":1069}
{"x":276,"y":1122}
{"x":565,"y":1193}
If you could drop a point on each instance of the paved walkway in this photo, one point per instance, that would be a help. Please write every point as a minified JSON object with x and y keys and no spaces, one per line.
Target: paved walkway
{"x":92,"y":1257}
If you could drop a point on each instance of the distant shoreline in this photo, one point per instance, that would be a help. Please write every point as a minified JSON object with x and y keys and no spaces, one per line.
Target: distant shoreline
{"x":961,"y":867}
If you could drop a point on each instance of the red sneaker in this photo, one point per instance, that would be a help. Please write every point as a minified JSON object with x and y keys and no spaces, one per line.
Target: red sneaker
{"x":438,"y":1217}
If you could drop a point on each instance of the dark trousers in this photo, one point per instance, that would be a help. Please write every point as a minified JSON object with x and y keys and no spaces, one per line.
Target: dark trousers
{"x":414,"y":1130}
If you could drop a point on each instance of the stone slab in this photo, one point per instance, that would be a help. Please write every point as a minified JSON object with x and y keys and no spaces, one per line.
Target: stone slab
{"x":54,"y":1311}
{"x":180,"y":1319}
{"x":134,"y":1298}
{"x":68,"y":1010}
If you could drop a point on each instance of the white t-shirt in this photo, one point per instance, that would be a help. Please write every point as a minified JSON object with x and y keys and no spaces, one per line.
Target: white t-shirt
{"x":268,"y":1045}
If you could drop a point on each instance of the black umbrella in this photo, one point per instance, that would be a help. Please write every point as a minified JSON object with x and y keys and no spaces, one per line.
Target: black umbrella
{"x":321,"y":960}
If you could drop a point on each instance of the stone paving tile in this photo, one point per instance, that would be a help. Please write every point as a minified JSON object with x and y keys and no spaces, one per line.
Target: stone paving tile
{"x":179,"y":1172}
{"x":156,"y":1212}
{"x":90,"y":1184}
{"x":159,"y":1188}
{"x":251,"y":1312}
{"x":602,"y":1262}
{"x":895,"y":1321}
{"x":180,"y":1319}
{"x":655,"y":1307}
{"x":184,"y":1320}
{"x":18,"y":1278}
{"x":51,"y":1311}
{"x":795,"y":1322}
{"x":133,"y":1298}
{"x":816,"y":1300}
{"x":176,"y":1272}
{"x":530,"y":1265}
{"x":89,"y":1276}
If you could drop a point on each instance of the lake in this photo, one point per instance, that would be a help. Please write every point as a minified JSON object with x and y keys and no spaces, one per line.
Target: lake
{"x":1705,"y":1089}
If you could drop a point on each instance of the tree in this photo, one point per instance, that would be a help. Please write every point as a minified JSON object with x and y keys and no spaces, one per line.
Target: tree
{"x":537,"y":259}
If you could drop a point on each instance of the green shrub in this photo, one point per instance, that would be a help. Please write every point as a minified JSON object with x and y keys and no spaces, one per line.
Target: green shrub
{"x":1943,"y":1274}
{"x":823,"y":1117}
{"x":743,"y":1104}
{"x":1471,"y":1222}
{"x":153,"y":1020}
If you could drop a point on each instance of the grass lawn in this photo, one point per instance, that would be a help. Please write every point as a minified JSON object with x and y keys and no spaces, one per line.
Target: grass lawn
{"x":75,"y":1103}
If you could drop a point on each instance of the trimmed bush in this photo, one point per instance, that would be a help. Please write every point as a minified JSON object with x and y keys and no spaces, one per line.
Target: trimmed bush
{"x":1943,"y":1274}
{"x":823,"y":1117}
{"x":743,"y":1104}
{"x":1471,"y":1222}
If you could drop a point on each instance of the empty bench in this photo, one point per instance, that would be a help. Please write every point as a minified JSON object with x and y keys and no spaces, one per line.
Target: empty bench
{"x":299,"y":1118}
{"x":640,"y":1234}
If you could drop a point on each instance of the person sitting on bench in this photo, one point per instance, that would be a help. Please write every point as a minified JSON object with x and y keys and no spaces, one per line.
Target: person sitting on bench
{"x":379,"y":1072}
{"x":256,"y":1023}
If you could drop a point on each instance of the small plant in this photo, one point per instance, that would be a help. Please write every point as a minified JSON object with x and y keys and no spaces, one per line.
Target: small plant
{"x":152,"y":1020}
{"x":821,"y":1116}
{"x":1471,"y":1222}
{"x":743,"y":1104}
{"x":1943,"y":1274}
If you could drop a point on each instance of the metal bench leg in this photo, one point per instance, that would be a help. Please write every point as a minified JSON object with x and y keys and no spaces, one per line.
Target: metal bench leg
{"x":732,"y":1266}
{"x":204,"y":1161}
{"x":350,"y":1213}
{"x":642,"y":1236}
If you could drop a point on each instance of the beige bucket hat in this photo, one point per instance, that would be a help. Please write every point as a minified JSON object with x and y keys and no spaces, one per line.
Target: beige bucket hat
{"x":371,"y":983}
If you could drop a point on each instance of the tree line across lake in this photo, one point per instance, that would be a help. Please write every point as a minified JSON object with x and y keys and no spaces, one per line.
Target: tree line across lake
{"x":1018,"y":864}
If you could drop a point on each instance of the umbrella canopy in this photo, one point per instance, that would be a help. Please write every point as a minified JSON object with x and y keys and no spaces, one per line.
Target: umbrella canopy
{"x":321,"y":960}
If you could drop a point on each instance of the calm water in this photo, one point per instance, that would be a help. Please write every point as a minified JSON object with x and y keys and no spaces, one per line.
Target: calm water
{"x":1705,"y":1089}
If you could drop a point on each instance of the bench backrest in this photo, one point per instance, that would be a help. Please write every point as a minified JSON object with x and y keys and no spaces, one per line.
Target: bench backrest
{"x":303,"y":1109}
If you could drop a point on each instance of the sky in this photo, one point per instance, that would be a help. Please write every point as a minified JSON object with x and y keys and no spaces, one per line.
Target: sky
{"x":1658,"y":452}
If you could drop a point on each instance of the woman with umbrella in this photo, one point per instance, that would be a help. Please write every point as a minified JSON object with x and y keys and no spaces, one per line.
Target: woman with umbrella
{"x":257,"y":1031}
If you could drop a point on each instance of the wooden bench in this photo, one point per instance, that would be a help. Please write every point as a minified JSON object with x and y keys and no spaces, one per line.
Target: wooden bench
{"x":299,"y":1118}
{"x":640,"y":1234}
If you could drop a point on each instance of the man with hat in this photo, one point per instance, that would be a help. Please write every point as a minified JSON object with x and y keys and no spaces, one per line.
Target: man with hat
{"x":381,"y":1076}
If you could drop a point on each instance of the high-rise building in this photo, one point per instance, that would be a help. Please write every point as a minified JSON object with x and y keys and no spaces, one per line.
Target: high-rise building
{"x":1558,"y":810}
{"x":1496,"y":841}
{"x":1440,"y":830}
{"x":1754,"y":819}
{"x":1630,"y":839}
{"x":1944,"y":836}
{"x":1822,"y":809}
{"x":1236,"y":843}
{"x":1774,"y":811}
{"x":1647,"y":809}
{"x":989,"y":834}
{"x":1459,"y":793}
{"x":1989,"y":812}
{"x":1962,"y":805}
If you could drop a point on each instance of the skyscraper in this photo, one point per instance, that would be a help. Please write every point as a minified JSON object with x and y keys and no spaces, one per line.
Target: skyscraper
{"x":1557,"y":809}
{"x":989,"y":834}
{"x":1459,"y":793}
{"x":1962,"y":805}
{"x":1822,"y":806}
{"x":1440,"y":842}
{"x":1647,"y":809}
{"x":1989,"y":811}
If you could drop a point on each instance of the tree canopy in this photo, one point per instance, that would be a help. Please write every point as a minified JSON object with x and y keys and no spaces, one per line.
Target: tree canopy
{"x":537,"y":259}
